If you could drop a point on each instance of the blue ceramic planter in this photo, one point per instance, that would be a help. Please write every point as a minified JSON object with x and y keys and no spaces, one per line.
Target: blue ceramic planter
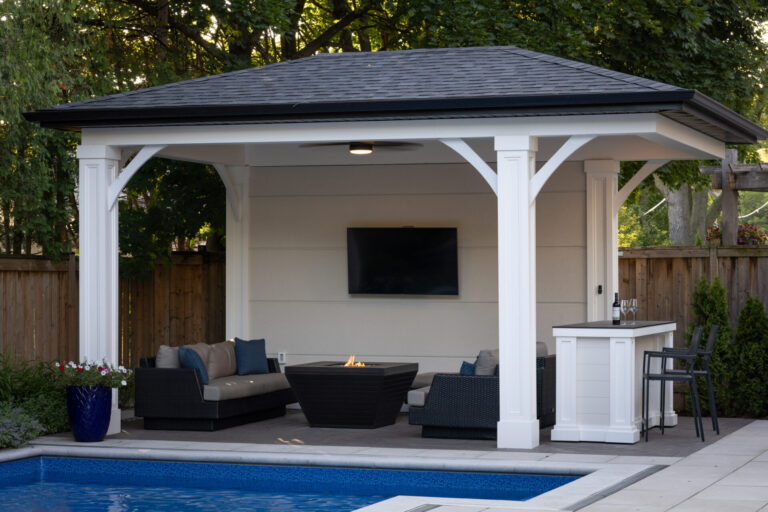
{"x":89,"y":409}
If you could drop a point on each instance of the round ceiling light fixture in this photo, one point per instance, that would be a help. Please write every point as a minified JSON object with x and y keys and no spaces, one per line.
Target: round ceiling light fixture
{"x":360,"y":148}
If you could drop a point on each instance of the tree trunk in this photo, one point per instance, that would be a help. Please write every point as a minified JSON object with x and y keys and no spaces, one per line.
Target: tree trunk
{"x":161,"y":30}
{"x":288,"y":42}
{"x":698,"y":222}
{"x":679,"y":211}
{"x":341,"y":9}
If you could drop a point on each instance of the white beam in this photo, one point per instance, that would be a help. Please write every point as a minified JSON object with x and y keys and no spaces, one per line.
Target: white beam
{"x":548,"y":169}
{"x":422,"y":129}
{"x":518,"y":426}
{"x":466,"y":152}
{"x":99,"y":166}
{"x":233,"y":198}
{"x":140,"y":159}
{"x":634,"y":181}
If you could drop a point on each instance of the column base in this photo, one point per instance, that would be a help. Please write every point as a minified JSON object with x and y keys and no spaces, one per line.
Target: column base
{"x":114,"y":422}
{"x":596,"y":434}
{"x":522,"y":434}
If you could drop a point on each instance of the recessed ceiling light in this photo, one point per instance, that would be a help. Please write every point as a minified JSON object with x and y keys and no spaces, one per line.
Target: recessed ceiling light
{"x":360,"y":148}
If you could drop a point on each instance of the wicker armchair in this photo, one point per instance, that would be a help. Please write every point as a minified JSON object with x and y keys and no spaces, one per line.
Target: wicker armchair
{"x":467,"y":406}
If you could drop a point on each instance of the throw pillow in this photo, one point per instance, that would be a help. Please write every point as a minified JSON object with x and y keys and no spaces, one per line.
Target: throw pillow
{"x":167,"y":357}
{"x":189,"y":358}
{"x":486,"y":362}
{"x":467,"y":369}
{"x":251,"y":356}
{"x":221,"y":360}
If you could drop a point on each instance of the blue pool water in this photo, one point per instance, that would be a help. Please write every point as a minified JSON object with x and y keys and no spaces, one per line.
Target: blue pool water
{"x":70,"y":484}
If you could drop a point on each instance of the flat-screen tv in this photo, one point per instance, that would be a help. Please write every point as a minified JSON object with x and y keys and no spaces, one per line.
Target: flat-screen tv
{"x":413,"y":261}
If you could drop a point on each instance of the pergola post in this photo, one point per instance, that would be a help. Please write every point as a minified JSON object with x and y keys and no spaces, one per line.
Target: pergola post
{"x":99,"y":167}
{"x":602,"y":237}
{"x":518,"y":426}
{"x":238,"y":249}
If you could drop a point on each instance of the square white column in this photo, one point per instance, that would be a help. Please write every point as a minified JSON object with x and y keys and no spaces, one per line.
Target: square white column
{"x":518,"y":426}
{"x":99,"y":295}
{"x":602,"y":237}
{"x":237,"y":255}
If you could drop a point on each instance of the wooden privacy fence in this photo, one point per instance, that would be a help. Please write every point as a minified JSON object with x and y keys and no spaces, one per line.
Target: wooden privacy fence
{"x":181,"y":304}
{"x":662,"y":279}
{"x":185,"y":303}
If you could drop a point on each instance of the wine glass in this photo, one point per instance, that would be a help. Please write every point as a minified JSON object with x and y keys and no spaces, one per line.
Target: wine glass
{"x":624,"y":308}
{"x":633,"y":309}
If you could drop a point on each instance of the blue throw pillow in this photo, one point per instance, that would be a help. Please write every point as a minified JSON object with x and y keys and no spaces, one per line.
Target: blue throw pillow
{"x":467,"y":369}
{"x":250,"y":356}
{"x":188,"y":358}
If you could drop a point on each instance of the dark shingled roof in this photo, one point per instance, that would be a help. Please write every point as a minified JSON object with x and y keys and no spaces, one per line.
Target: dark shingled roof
{"x":429,"y":83}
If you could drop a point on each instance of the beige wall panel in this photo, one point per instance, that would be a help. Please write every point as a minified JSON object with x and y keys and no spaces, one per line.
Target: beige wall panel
{"x":569,"y":177}
{"x":367,"y":179}
{"x":550,"y":314}
{"x":561,"y":219}
{"x":321,"y":274}
{"x":560,"y":275}
{"x":381,"y":328}
{"x":322,"y":221}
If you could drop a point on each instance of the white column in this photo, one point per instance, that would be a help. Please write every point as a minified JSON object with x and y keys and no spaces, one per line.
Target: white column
{"x":602,"y":237}
{"x":238,"y":254}
{"x":518,"y":426}
{"x":99,"y":167}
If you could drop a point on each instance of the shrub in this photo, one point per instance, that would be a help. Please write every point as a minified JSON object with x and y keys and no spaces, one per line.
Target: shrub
{"x":749,"y":369}
{"x":35,"y":388}
{"x":17,"y":426}
{"x":710,"y":307}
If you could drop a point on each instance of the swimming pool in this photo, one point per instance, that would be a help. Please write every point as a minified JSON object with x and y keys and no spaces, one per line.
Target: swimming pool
{"x":83,"y":484}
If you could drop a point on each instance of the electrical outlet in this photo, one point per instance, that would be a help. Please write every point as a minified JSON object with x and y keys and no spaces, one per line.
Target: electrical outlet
{"x":281,"y":357}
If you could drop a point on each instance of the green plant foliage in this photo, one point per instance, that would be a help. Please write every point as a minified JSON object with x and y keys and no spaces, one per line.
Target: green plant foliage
{"x":710,"y":307}
{"x":167,"y":203}
{"x":35,"y":388}
{"x":47,"y":56}
{"x":749,"y":372}
{"x":17,"y":426}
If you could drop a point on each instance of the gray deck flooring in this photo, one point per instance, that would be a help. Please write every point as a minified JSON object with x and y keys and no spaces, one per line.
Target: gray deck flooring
{"x":679,"y":441}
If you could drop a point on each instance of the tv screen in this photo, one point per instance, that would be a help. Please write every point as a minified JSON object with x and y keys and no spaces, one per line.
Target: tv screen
{"x":414,"y":261}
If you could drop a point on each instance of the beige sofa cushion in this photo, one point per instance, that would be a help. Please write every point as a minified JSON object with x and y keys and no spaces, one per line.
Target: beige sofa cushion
{"x":239,"y":386}
{"x":221,"y":360}
{"x":486,"y":362}
{"x":417,"y":397}
{"x":167,"y":357}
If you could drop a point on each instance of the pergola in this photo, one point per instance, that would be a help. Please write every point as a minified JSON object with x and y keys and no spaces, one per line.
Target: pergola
{"x":524,"y":113}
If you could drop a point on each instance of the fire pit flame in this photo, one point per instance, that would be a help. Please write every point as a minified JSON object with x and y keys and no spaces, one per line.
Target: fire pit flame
{"x":351,"y":362}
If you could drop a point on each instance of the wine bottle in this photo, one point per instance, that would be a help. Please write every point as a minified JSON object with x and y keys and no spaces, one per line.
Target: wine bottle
{"x":616,"y":309}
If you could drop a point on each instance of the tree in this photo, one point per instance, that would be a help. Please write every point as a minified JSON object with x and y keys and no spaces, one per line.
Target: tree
{"x":47,"y":58}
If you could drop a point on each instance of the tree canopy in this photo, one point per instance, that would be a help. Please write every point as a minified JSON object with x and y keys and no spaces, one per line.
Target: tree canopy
{"x":55,"y":51}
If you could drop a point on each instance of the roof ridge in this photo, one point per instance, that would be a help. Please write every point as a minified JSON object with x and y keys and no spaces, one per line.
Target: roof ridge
{"x":590,"y":68}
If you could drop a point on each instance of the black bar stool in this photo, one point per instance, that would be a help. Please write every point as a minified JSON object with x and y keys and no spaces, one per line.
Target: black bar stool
{"x":665,"y":375}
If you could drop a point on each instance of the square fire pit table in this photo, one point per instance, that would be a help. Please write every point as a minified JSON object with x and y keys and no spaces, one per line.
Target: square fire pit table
{"x":332,"y":395}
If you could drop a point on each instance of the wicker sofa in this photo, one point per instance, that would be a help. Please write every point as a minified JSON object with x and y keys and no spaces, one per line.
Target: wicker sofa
{"x":467,"y":406}
{"x":176,"y":399}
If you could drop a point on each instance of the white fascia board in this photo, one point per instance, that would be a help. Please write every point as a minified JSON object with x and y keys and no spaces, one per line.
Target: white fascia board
{"x":422,"y":129}
{"x":228,"y":155}
{"x":674,"y":135}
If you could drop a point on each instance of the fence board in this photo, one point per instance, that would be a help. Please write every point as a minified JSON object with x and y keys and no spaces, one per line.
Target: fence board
{"x":39,"y":308}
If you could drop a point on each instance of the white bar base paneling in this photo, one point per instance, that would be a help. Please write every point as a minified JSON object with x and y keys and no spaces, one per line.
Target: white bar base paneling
{"x":599,"y":382}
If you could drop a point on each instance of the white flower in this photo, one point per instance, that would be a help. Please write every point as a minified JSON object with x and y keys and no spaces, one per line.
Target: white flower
{"x":121,"y":368}
{"x":104,"y":372}
{"x":87,"y":367}
{"x":72,"y":364}
{"x":56,"y":364}
{"x":123,"y":383}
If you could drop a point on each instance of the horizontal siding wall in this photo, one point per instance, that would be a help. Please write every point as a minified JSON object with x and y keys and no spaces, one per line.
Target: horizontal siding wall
{"x":298,"y":262}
